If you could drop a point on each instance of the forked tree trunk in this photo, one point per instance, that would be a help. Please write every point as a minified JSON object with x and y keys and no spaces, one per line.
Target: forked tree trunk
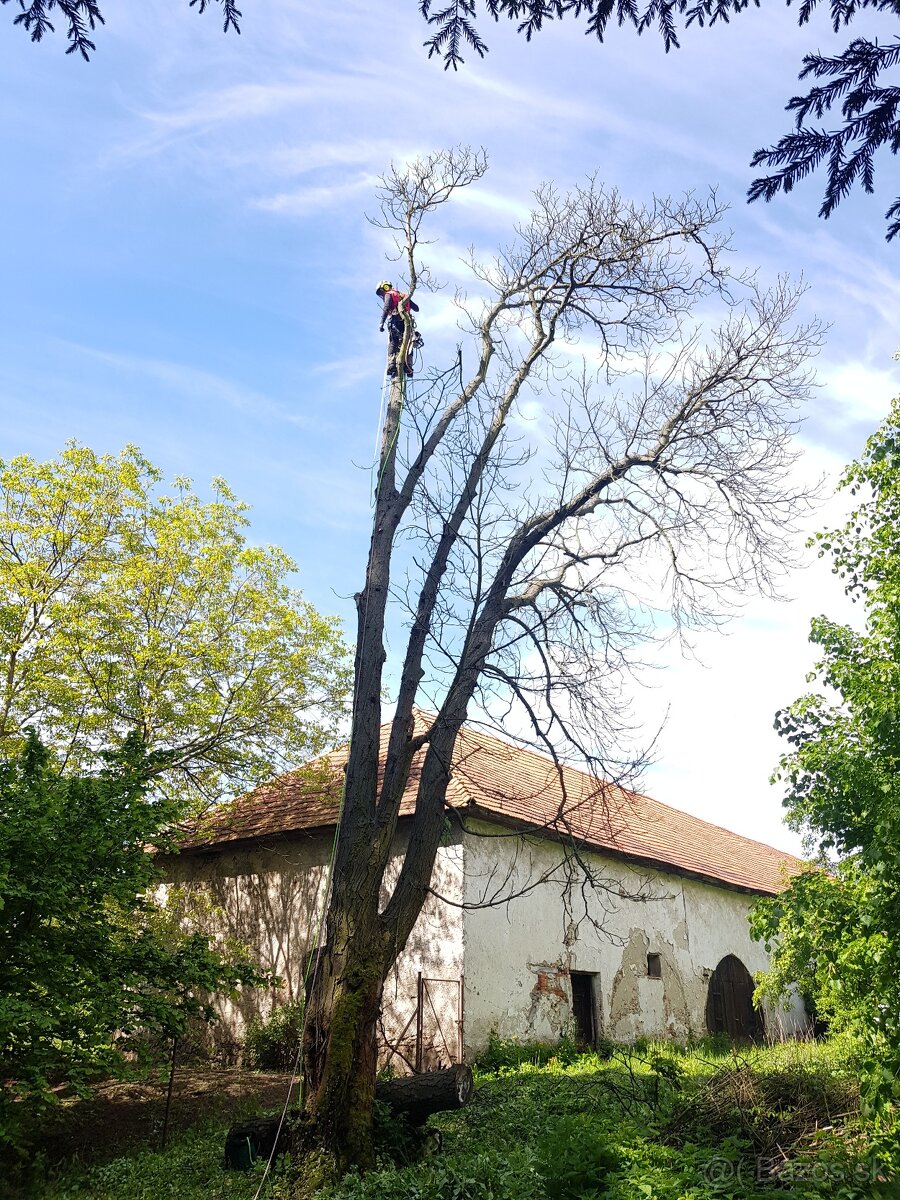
{"x":704,"y":448}
{"x":345,"y":998}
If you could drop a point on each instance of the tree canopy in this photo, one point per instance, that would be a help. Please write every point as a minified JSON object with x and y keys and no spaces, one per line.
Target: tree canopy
{"x":82,"y":17}
{"x":838,"y":932}
{"x":519,"y":554}
{"x":869,"y":111}
{"x":126,"y":609}
{"x":89,"y":966}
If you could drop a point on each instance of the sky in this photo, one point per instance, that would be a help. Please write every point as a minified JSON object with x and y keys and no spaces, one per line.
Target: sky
{"x":188,"y":266}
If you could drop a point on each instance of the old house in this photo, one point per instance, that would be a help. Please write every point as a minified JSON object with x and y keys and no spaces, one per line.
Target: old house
{"x":559,"y":905}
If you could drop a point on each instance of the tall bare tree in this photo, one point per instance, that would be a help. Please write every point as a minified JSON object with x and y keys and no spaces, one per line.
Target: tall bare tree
{"x":656,"y":475}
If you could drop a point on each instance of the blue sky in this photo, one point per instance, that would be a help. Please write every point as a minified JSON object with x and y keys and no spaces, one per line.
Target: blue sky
{"x":188,"y":267}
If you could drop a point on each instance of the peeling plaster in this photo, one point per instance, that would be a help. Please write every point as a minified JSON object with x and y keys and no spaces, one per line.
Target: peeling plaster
{"x":625,"y":1000}
{"x":550,"y":999}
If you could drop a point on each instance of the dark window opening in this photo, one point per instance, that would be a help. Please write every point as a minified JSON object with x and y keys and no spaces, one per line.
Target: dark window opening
{"x":583,"y":1007}
{"x":654,"y":966}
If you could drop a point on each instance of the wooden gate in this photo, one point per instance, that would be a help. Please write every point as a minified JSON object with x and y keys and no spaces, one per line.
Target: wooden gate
{"x":433,"y":1034}
{"x":729,"y":1004}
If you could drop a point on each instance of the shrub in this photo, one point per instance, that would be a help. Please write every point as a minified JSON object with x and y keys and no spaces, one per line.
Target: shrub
{"x":508,"y":1054}
{"x":396,"y":1140}
{"x":769,"y":1109}
{"x":273,"y":1044}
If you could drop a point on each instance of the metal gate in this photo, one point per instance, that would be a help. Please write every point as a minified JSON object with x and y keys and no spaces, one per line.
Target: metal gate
{"x":433,"y":1035}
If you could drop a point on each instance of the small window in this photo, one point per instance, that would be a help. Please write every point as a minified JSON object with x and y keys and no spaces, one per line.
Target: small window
{"x":654,"y":966}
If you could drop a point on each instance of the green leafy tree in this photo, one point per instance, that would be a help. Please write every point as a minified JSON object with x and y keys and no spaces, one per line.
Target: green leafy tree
{"x":124,"y":611}
{"x":838,"y":932}
{"x":89,"y":964}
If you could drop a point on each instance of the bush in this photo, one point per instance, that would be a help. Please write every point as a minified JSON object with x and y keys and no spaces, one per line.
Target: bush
{"x":396,"y":1140}
{"x":92,"y":970}
{"x":508,"y":1054}
{"x":769,"y":1109}
{"x":273,"y":1044}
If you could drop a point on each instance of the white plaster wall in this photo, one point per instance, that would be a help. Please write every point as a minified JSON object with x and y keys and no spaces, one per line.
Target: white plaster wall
{"x":268,"y":896}
{"x":434,"y":947}
{"x":518,"y":955}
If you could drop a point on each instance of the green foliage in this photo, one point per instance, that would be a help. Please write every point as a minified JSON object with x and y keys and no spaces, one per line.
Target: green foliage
{"x":88,"y":963}
{"x":396,"y":1140}
{"x":125,"y":609}
{"x":505,"y":1054}
{"x":189,"y":1169}
{"x":552,"y":1131}
{"x":480,"y":1174}
{"x":271,"y":1044}
{"x":574,"y":1158}
{"x":839,"y":934}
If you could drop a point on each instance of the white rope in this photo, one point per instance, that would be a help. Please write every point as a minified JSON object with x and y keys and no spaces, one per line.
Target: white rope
{"x":328,"y":885}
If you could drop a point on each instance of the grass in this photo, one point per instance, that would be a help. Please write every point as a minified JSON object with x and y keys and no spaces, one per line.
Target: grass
{"x":653,"y":1123}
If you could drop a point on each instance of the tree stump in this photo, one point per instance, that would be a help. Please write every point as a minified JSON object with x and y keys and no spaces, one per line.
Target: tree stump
{"x":415,"y":1096}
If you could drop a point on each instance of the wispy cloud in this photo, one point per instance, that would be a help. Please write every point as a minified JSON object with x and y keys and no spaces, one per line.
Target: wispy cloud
{"x":200,"y":386}
{"x":315,"y":198}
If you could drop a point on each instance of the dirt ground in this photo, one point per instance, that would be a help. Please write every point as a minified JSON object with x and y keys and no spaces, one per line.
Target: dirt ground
{"x":120,"y":1116}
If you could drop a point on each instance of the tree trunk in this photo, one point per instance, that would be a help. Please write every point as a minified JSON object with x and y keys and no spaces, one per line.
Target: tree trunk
{"x":344,"y":1002}
{"x":340,"y":1056}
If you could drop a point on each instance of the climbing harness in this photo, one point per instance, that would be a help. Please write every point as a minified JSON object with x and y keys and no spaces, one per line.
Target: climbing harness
{"x":398,"y":312}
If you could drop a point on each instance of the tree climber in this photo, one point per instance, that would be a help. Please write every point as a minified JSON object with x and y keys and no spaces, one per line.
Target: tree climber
{"x":395,"y":305}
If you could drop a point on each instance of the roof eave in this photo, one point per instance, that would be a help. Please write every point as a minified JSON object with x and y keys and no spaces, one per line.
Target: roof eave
{"x":669,"y":868}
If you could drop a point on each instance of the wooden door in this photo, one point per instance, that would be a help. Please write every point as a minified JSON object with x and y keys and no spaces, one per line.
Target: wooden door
{"x":729,"y":1005}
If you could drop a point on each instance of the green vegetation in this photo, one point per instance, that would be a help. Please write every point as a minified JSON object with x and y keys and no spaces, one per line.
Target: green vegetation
{"x":665,"y":1123}
{"x":90,"y":966}
{"x":165,"y":663}
{"x":126,"y":608}
{"x":838,"y":934}
{"x":272,"y":1043}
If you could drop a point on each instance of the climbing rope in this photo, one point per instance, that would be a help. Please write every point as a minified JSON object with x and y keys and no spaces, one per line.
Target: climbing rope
{"x":390,"y":449}
{"x":312,"y":964}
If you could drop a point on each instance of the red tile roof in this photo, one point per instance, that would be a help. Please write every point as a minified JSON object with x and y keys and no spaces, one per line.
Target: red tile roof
{"x":495,"y":780}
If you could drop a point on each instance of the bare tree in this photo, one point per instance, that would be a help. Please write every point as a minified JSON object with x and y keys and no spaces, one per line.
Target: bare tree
{"x":656,"y":478}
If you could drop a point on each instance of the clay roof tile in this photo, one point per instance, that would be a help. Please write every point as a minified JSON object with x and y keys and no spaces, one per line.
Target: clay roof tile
{"x":497,"y":780}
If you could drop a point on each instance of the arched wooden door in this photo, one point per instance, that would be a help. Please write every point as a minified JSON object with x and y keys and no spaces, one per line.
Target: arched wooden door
{"x":729,"y":1004}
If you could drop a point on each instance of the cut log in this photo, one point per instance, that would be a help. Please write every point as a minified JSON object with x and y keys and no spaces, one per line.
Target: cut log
{"x":250,"y":1140}
{"x":418,"y":1096}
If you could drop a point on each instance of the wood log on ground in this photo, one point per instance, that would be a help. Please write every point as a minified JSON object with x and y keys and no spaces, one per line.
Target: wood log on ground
{"x":416,"y":1096}
{"x":251,"y":1140}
